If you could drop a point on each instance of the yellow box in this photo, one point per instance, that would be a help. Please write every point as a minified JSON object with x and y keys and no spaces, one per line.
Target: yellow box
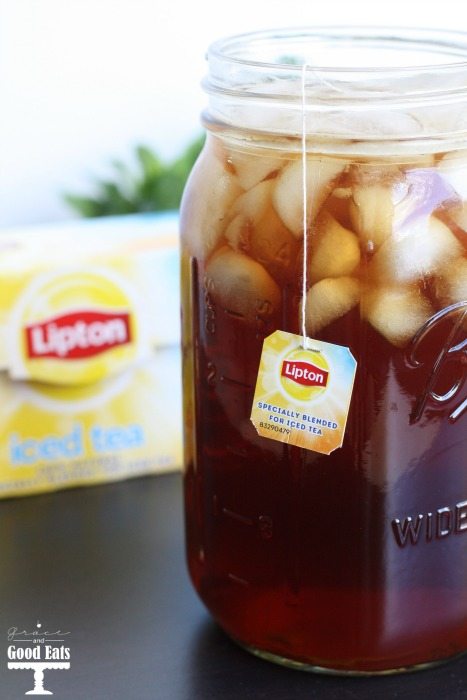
{"x":89,"y":353}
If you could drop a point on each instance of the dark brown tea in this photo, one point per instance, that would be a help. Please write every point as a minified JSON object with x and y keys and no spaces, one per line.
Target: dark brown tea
{"x":356,"y":561}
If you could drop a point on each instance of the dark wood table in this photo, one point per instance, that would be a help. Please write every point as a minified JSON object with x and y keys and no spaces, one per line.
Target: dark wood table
{"x":107,"y":565}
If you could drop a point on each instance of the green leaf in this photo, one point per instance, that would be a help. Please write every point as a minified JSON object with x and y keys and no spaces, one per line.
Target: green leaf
{"x":149,"y":162}
{"x":169,"y":190}
{"x":114,"y":201}
{"x":85,"y":206}
{"x":152,"y":186}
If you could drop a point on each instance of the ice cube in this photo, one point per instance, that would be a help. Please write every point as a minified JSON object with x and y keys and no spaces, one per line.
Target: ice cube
{"x":385,"y":199}
{"x":453,"y":168}
{"x":378,"y":126}
{"x":272,"y":244}
{"x":459,"y":216}
{"x":414,"y":251}
{"x":288,"y":190}
{"x":254,"y":203}
{"x":381,"y":133}
{"x":338,"y":203}
{"x":328,"y":300}
{"x":267,"y":241}
{"x":238,"y":233}
{"x":451,"y":283}
{"x":252,"y":168}
{"x":241,"y":286}
{"x":372,"y":211}
{"x":427,"y":191}
{"x":257,"y":230}
{"x":395,"y":312}
{"x":204,"y":207}
{"x":335,"y":251}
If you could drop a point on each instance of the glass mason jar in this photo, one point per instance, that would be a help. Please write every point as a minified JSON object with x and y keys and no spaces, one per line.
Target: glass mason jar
{"x":353,"y":562}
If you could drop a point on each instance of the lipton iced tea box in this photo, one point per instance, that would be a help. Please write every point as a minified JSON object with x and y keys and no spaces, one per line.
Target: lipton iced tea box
{"x":89,"y":353}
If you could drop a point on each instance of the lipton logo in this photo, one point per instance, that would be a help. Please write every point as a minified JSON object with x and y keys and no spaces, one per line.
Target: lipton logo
{"x":77,"y":335}
{"x":304,"y":373}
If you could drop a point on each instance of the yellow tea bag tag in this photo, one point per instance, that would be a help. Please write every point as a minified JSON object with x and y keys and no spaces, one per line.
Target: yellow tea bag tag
{"x":302,"y":396}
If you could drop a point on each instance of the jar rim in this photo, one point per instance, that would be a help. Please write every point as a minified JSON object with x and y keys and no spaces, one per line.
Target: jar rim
{"x":223,"y":49}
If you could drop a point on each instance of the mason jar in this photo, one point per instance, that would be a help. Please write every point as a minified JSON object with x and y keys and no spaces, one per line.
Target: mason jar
{"x":330,"y":202}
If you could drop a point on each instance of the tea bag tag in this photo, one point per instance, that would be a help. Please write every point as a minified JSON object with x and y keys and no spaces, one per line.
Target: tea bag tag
{"x":302,"y":396}
{"x":304,"y":386}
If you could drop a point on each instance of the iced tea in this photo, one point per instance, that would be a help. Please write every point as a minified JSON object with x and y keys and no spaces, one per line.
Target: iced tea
{"x":356,"y":561}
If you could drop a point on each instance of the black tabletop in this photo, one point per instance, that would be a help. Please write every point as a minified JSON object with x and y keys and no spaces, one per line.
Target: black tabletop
{"x":106,"y":564}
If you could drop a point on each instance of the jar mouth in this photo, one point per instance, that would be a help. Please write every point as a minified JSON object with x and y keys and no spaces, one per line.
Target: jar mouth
{"x":352,"y":83}
{"x":372,"y":48}
{"x":343,"y":65}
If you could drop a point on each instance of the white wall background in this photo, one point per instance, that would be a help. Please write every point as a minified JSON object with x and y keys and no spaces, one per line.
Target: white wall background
{"x":83,"y":81}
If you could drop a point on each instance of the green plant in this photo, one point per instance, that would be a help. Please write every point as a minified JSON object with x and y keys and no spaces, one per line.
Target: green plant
{"x":151,"y":185}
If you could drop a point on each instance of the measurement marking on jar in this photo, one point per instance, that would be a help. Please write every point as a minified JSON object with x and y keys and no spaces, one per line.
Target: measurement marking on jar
{"x":237,"y":579}
{"x":236,"y":516}
{"x":235,"y":382}
{"x":210,"y":320}
{"x":236,"y":314}
{"x":266,"y":530}
{"x":211,"y":373}
{"x":237,"y":451}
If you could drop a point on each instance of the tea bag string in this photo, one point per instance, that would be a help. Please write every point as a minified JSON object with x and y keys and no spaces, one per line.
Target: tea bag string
{"x":305,"y":67}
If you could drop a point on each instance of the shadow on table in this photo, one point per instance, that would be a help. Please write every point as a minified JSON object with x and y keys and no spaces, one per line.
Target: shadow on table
{"x":219,"y":669}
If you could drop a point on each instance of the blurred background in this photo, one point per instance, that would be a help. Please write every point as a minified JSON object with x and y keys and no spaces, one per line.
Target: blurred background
{"x":83,"y":83}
